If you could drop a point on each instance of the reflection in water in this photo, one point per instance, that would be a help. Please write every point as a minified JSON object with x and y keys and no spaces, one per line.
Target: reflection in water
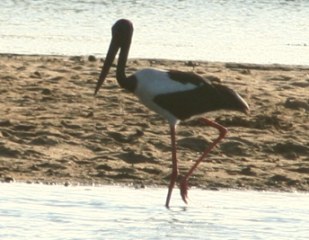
{"x":105,"y":212}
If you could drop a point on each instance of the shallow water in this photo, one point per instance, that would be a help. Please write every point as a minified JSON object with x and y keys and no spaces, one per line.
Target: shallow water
{"x":32,"y":211}
{"x":235,"y":31}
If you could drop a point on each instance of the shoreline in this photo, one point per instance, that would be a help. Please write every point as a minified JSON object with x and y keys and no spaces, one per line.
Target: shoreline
{"x":52,"y":129}
{"x":246,"y":65}
{"x":141,"y":186}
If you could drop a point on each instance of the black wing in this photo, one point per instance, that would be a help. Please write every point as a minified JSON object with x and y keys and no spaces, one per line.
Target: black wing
{"x":206,"y":97}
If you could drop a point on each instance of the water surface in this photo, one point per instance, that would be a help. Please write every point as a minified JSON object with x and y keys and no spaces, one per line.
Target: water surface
{"x":226,"y":30}
{"x":32,"y":211}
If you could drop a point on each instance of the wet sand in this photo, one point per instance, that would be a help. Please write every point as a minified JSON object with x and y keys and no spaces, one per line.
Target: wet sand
{"x":53,"y":129}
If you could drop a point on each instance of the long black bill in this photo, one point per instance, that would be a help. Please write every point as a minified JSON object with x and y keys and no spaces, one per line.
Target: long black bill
{"x":111,"y":54}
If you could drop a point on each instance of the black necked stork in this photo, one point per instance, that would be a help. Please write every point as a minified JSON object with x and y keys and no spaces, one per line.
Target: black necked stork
{"x":175,"y":95}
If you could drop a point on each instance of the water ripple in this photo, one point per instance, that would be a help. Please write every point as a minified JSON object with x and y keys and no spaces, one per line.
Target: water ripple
{"x":110,"y":212}
{"x":234,"y":31}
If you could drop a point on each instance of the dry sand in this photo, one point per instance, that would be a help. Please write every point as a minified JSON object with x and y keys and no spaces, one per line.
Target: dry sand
{"x":53,"y":130}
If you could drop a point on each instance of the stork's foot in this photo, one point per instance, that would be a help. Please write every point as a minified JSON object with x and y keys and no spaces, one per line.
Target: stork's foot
{"x":184,"y":190}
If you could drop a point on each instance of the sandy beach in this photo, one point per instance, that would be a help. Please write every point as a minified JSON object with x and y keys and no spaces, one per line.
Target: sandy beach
{"x":53,"y":129}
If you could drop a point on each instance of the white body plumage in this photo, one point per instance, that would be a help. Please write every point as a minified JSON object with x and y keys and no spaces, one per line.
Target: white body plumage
{"x":153,"y":82}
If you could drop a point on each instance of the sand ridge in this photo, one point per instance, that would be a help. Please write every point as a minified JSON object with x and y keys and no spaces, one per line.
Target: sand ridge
{"x":53,"y":129}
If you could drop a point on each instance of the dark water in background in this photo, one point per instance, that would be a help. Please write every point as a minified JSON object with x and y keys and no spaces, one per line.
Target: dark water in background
{"x":227,"y":30}
{"x":29,"y":211}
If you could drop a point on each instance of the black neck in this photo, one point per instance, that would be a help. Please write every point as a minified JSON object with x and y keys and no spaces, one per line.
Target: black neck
{"x":121,"y":66}
{"x":123,"y":81}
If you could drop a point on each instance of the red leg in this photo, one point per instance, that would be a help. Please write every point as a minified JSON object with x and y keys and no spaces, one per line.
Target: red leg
{"x":175,"y":167}
{"x":184,"y":181}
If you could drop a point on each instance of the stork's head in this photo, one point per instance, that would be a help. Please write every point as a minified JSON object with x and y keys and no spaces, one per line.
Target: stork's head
{"x":122,"y":32}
